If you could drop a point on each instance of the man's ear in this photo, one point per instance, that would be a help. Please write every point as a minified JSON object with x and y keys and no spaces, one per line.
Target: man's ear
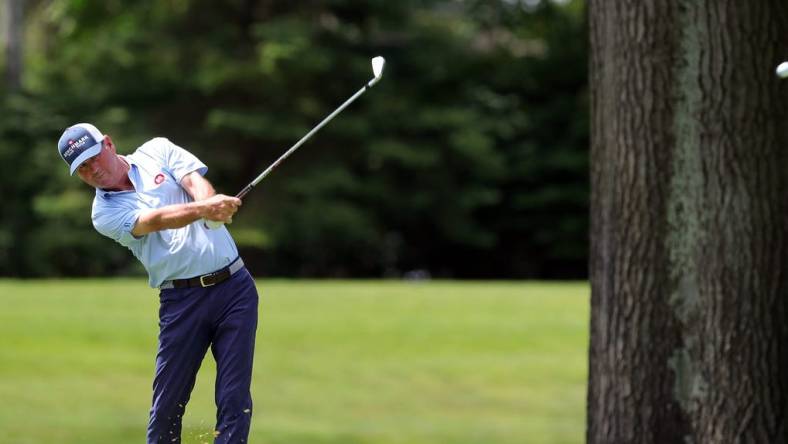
{"x":108,"y":143}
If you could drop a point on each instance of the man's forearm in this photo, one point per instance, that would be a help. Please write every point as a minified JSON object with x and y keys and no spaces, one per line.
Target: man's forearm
{"x":169,"y":217}
{"x":217,"y":208}
{"x":176,"y":216}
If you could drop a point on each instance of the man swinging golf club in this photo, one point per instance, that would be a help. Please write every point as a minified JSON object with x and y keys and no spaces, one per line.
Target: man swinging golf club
{"x":155,"y":202}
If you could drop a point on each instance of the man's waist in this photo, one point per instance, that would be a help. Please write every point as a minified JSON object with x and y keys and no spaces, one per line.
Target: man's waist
{"x":205,"y":280}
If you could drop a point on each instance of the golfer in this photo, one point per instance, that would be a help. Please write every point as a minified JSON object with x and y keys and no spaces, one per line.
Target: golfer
{"x":154,"y":202}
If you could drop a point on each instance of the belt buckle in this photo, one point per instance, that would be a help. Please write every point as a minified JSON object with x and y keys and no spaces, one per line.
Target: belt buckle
{"x":202,"y":281}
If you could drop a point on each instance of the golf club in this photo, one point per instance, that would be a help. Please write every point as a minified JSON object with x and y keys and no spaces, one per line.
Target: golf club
{"x":378,"y":64}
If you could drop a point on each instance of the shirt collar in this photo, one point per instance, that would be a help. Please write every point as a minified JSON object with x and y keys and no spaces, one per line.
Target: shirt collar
{"x":132,"y":168}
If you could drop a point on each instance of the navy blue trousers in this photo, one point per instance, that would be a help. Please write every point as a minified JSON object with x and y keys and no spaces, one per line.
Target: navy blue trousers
{"x":224,"y":318}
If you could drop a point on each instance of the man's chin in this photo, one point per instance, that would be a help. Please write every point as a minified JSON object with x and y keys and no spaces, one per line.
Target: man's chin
{"x":101,"y":185}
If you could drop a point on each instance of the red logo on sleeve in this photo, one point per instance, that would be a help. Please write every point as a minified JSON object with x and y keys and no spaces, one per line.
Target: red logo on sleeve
{"x":159,"y":179}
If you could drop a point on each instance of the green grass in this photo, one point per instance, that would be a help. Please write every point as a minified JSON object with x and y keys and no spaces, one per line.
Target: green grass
{"x":341,"y":362}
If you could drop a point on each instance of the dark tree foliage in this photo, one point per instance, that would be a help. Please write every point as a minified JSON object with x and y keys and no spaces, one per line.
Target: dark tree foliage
{"x":468,"y":160}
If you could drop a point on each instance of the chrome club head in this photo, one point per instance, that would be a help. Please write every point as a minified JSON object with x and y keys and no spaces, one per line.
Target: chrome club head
{"x":377,"y":68}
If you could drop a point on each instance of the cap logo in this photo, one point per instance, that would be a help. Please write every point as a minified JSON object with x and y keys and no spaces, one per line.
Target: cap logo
{"x":74,"y":145}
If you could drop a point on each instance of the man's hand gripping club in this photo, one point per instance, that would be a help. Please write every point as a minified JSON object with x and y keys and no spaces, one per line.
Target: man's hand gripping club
{"x":219,"y":209}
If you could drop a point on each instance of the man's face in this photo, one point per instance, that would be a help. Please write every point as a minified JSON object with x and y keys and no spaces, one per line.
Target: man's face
{"x":101,"y":170}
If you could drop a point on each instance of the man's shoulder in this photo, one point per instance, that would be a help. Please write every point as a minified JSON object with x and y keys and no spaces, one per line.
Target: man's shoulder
{"x":114,"y":215}
{"x":153,"y":149}
{"x":154,"y":145}
{"x":109,"y":201}
{"x":104,"y":206}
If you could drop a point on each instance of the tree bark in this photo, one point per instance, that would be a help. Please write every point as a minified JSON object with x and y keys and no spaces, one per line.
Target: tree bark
{"x":689,"y":209}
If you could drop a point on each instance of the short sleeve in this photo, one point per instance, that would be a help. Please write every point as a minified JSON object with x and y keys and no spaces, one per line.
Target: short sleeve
{"x":116,"y":223}
{"x":175,"y":159}
{"x":181,"y":162}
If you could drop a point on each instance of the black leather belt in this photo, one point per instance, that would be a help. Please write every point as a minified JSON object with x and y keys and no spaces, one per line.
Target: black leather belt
{"x":205,"y":280}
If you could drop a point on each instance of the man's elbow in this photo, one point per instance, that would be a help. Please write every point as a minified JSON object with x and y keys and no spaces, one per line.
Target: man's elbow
{"x":197,"y":186}
{"x":147,"y":224}
{"x":140,"y":230}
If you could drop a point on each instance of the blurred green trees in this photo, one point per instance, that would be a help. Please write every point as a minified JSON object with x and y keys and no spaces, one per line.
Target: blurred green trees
{"x":468,"y":160}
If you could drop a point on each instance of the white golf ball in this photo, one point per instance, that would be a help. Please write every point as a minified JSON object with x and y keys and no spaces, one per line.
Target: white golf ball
{"x":782,"y":70}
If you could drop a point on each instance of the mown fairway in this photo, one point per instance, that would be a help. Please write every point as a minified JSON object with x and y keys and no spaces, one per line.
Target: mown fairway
{"x":342,"y":362}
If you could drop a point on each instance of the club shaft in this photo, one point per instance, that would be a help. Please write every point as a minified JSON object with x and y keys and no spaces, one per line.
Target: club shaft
{"x":287,"y":153}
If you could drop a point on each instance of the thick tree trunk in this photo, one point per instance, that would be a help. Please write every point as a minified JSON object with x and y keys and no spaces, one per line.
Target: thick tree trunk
{"x":689,"y":209}
{"x":13,"y":17}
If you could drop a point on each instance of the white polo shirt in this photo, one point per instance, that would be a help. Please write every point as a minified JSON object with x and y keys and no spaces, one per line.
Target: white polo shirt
{"x":157,"y":168}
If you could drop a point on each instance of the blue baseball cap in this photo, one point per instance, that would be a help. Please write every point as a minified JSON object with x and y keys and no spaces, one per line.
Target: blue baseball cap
{"x":78,"y":144}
